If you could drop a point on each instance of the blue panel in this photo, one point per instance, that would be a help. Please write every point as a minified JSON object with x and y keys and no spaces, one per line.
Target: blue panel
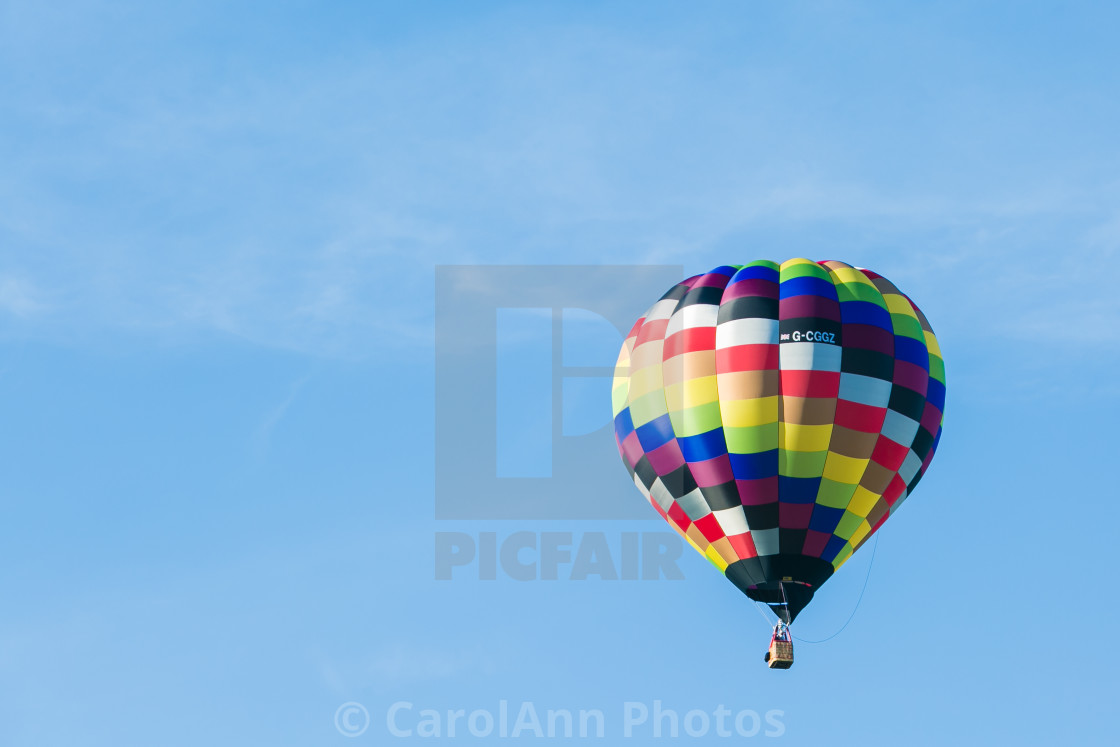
{"x":727,"y":270}
{"x":623,"y":424}
{"x":758,"y":272}
{"x":833,"y":548}
{"x":910,"y":350}
{"x":825,"y":519}
{"x":865,"y":312}
{"x":798,"y":489}
{"x":703,"y":446}
{"x":755,"y":466}
{"x":935,"y":395}
{"x":655,"y":433}
{"x":806,"y":286}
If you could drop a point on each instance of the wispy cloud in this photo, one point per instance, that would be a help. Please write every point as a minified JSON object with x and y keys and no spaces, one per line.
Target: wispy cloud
{"x":20,"y":297}
{"x":305,"y":208}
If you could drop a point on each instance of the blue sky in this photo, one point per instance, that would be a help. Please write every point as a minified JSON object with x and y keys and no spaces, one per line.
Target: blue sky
{"x":219,"y":227}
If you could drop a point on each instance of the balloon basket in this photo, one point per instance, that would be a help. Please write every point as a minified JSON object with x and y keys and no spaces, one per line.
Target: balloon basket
{"x":781,"y":655}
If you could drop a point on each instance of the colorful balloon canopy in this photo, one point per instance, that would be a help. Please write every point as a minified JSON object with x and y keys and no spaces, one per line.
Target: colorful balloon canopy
{"x":777,"y":415}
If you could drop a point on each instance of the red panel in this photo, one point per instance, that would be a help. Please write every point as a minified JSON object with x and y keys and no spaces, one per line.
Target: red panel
{"x":894,"y":491}
{"x":677,"y":514}
{"x":654,"y":330}
{"x":743,"y":545}
{"x":747,"y":358}
{"x":709,"y":527}
{"x":864,"y":418}
{"x":888,"y":453}
{"x":811,"y":383}
{"x":689,"y":341}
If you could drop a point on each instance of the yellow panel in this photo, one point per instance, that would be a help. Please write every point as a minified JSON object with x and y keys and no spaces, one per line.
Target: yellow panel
{"x":700,"y":391}
{"x":691,"y":393}
{"x":851,"y":275}
{"x":796,"y":437}
{"x":863,"y":501}
{"x":844,"y":469}
{"x":932,"y":345}
{"x":747,"y":412}
{"x":897,"y":304}
{"x":644,"y":381}
{"x":714,"y":558}
{"x":860,"y":533}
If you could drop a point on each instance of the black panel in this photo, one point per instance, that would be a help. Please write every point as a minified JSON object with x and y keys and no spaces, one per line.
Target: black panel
{"x":762,"y":517}
{"x":722,"y":496}
{"x":908,"y":402}
{"x":677,"y":292}
{"x":707,"y":294}
{"x":749,"y":307}
{"x":679,"y":482}
{"x":923,"y":442}
{"x":867,"y":363}
{"x":791,"y":541}
{"x":645,"y":471}
{"x":759,"y":579}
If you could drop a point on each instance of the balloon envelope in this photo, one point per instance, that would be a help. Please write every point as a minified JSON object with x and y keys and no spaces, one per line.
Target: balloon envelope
{"x":777,"y":415}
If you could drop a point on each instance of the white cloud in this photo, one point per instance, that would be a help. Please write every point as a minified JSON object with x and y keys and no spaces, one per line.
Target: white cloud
{"x":20,"y":297}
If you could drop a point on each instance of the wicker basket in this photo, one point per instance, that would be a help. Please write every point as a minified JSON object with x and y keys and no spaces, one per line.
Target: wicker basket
{"x":781,"y":654}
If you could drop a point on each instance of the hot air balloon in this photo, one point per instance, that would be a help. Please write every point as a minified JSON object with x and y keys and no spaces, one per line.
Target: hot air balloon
{"x":776,"y":415}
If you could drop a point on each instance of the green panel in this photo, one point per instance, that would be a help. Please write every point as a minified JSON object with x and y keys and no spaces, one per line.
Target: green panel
{"x":619,"y":395}
{"x":835,"y":494}
{"x":845,"y":553}
{"x":860,"y":292}
{"x":937,"y":368}
{"x":848,"y":525}
{"x":811,"y":270}
{"x":648,"y":407}
{"x":908,"y":326}
{"x":751,"y":439}
{"x":697,"y":419}
{"x":801,"y":463}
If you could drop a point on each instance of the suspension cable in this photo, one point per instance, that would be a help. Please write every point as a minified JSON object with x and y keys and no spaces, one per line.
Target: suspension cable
{"x":856,"y":608}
